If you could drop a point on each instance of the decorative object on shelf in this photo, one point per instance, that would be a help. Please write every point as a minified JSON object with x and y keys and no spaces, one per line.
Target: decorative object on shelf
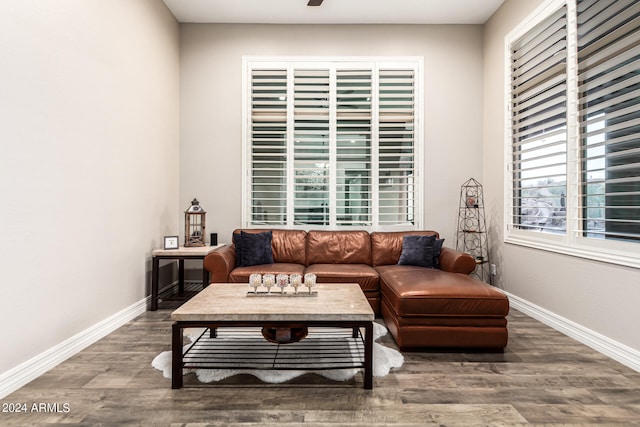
{"x":194,"y":225}
{"x":284,"y":335}
{"x":472,"y":228}
{"x":171,"y":242}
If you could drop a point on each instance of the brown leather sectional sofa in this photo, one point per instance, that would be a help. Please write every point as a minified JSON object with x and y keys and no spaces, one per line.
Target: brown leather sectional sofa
{"x":422,"y":307}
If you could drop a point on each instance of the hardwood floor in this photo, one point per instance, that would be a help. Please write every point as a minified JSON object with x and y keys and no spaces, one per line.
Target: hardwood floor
{"x":542,"y":378}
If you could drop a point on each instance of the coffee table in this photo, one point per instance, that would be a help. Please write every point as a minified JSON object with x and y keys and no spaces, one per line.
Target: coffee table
{"x":340,"y":305}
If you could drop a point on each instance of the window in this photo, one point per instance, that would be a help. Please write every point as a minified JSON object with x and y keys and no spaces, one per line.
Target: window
{"x":332,"y":143}
{"x":539,"y":125}
{"x":573,"y":171}
{"x":609,"y":112}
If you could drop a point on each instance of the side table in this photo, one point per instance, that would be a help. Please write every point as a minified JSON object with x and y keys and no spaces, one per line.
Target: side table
{"x":180,"y":254}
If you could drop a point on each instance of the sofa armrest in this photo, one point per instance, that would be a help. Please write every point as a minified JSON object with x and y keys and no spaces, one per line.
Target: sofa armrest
{"x":456,"y":262}
{"x":220,"y":262}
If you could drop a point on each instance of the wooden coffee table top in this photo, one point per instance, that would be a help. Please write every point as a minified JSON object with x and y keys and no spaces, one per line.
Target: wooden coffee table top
{"x":229,"y":302}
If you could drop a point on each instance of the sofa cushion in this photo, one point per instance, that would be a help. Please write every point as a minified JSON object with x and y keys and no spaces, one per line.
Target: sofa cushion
{"x":362,"y":274}
{"x":288,"y":245}
{"x":386,"y":247}
{"x":253,"y":249}
{"x":419,"y":250}
{"x":416,"y":291}
{"x":482,"y":332}
{"x":338,"y":247}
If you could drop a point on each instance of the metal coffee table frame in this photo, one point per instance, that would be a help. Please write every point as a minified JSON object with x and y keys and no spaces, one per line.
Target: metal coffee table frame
{"x":355,"y":327}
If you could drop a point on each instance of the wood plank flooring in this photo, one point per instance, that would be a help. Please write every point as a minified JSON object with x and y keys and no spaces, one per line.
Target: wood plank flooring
{"x":542,"y":378}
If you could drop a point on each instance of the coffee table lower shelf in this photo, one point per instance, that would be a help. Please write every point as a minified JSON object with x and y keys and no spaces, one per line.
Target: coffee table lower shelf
{"x":244,"y":347}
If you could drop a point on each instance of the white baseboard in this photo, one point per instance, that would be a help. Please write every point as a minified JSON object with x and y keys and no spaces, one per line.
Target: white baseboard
{"x":26,"y":372}
{"x":613,"y":349}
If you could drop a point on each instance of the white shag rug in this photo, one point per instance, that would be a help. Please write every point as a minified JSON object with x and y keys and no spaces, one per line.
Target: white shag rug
{"x":384,"y":359}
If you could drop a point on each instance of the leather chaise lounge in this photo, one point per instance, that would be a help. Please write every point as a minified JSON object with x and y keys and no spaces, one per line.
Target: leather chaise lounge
{"x":422,"y":307}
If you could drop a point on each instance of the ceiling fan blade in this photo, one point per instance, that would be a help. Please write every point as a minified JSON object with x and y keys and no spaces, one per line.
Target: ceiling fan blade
{"x":314,"y":2}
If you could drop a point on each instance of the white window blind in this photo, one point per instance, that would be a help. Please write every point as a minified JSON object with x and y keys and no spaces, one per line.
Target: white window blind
{"x":539,"y":126}
{"x":268,"y":146}
{"x":311,"y":146}
{"x":332,"y":144}
{"x":354,"y":123}
{"x":396,"y":144}
{"x":609,"y":87}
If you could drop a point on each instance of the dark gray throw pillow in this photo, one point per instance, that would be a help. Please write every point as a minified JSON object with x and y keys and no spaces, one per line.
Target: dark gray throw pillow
{"x":437,"y":247}
{"x":253,"y":249}
{"x":237,"y":242}
{"x":422,"y":251}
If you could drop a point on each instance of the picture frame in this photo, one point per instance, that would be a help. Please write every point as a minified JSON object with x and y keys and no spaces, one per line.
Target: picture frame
{"x":171,"y":242}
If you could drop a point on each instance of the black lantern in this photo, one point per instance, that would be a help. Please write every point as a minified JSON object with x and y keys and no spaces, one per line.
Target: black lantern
{"x":194,"y":225}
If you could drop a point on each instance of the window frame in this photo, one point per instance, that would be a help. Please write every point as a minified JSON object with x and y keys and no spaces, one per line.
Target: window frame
{"x":250,"y":63}
{"x":572,"y":243}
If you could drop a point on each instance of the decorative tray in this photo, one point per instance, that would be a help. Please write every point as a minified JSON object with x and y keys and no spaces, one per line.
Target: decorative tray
{"x":280,"y":294}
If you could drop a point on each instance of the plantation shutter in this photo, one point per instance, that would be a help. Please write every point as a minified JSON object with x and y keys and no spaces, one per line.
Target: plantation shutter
{"x":311,"y":146}
{"x":609,"y":90}
{"x":396,"y":146}
{"x":268,"y":141}
{"x":353,"y":147}
{"x":539,"y":126}
{"x":332,"y":144}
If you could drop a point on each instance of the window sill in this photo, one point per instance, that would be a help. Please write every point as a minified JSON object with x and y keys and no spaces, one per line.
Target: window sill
{"x":610,"y":252}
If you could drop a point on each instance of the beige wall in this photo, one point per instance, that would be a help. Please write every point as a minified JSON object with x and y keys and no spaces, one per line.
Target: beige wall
{"x":211,"y":105}
{"x":599,"y":296}
{"x":89,"y":162}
